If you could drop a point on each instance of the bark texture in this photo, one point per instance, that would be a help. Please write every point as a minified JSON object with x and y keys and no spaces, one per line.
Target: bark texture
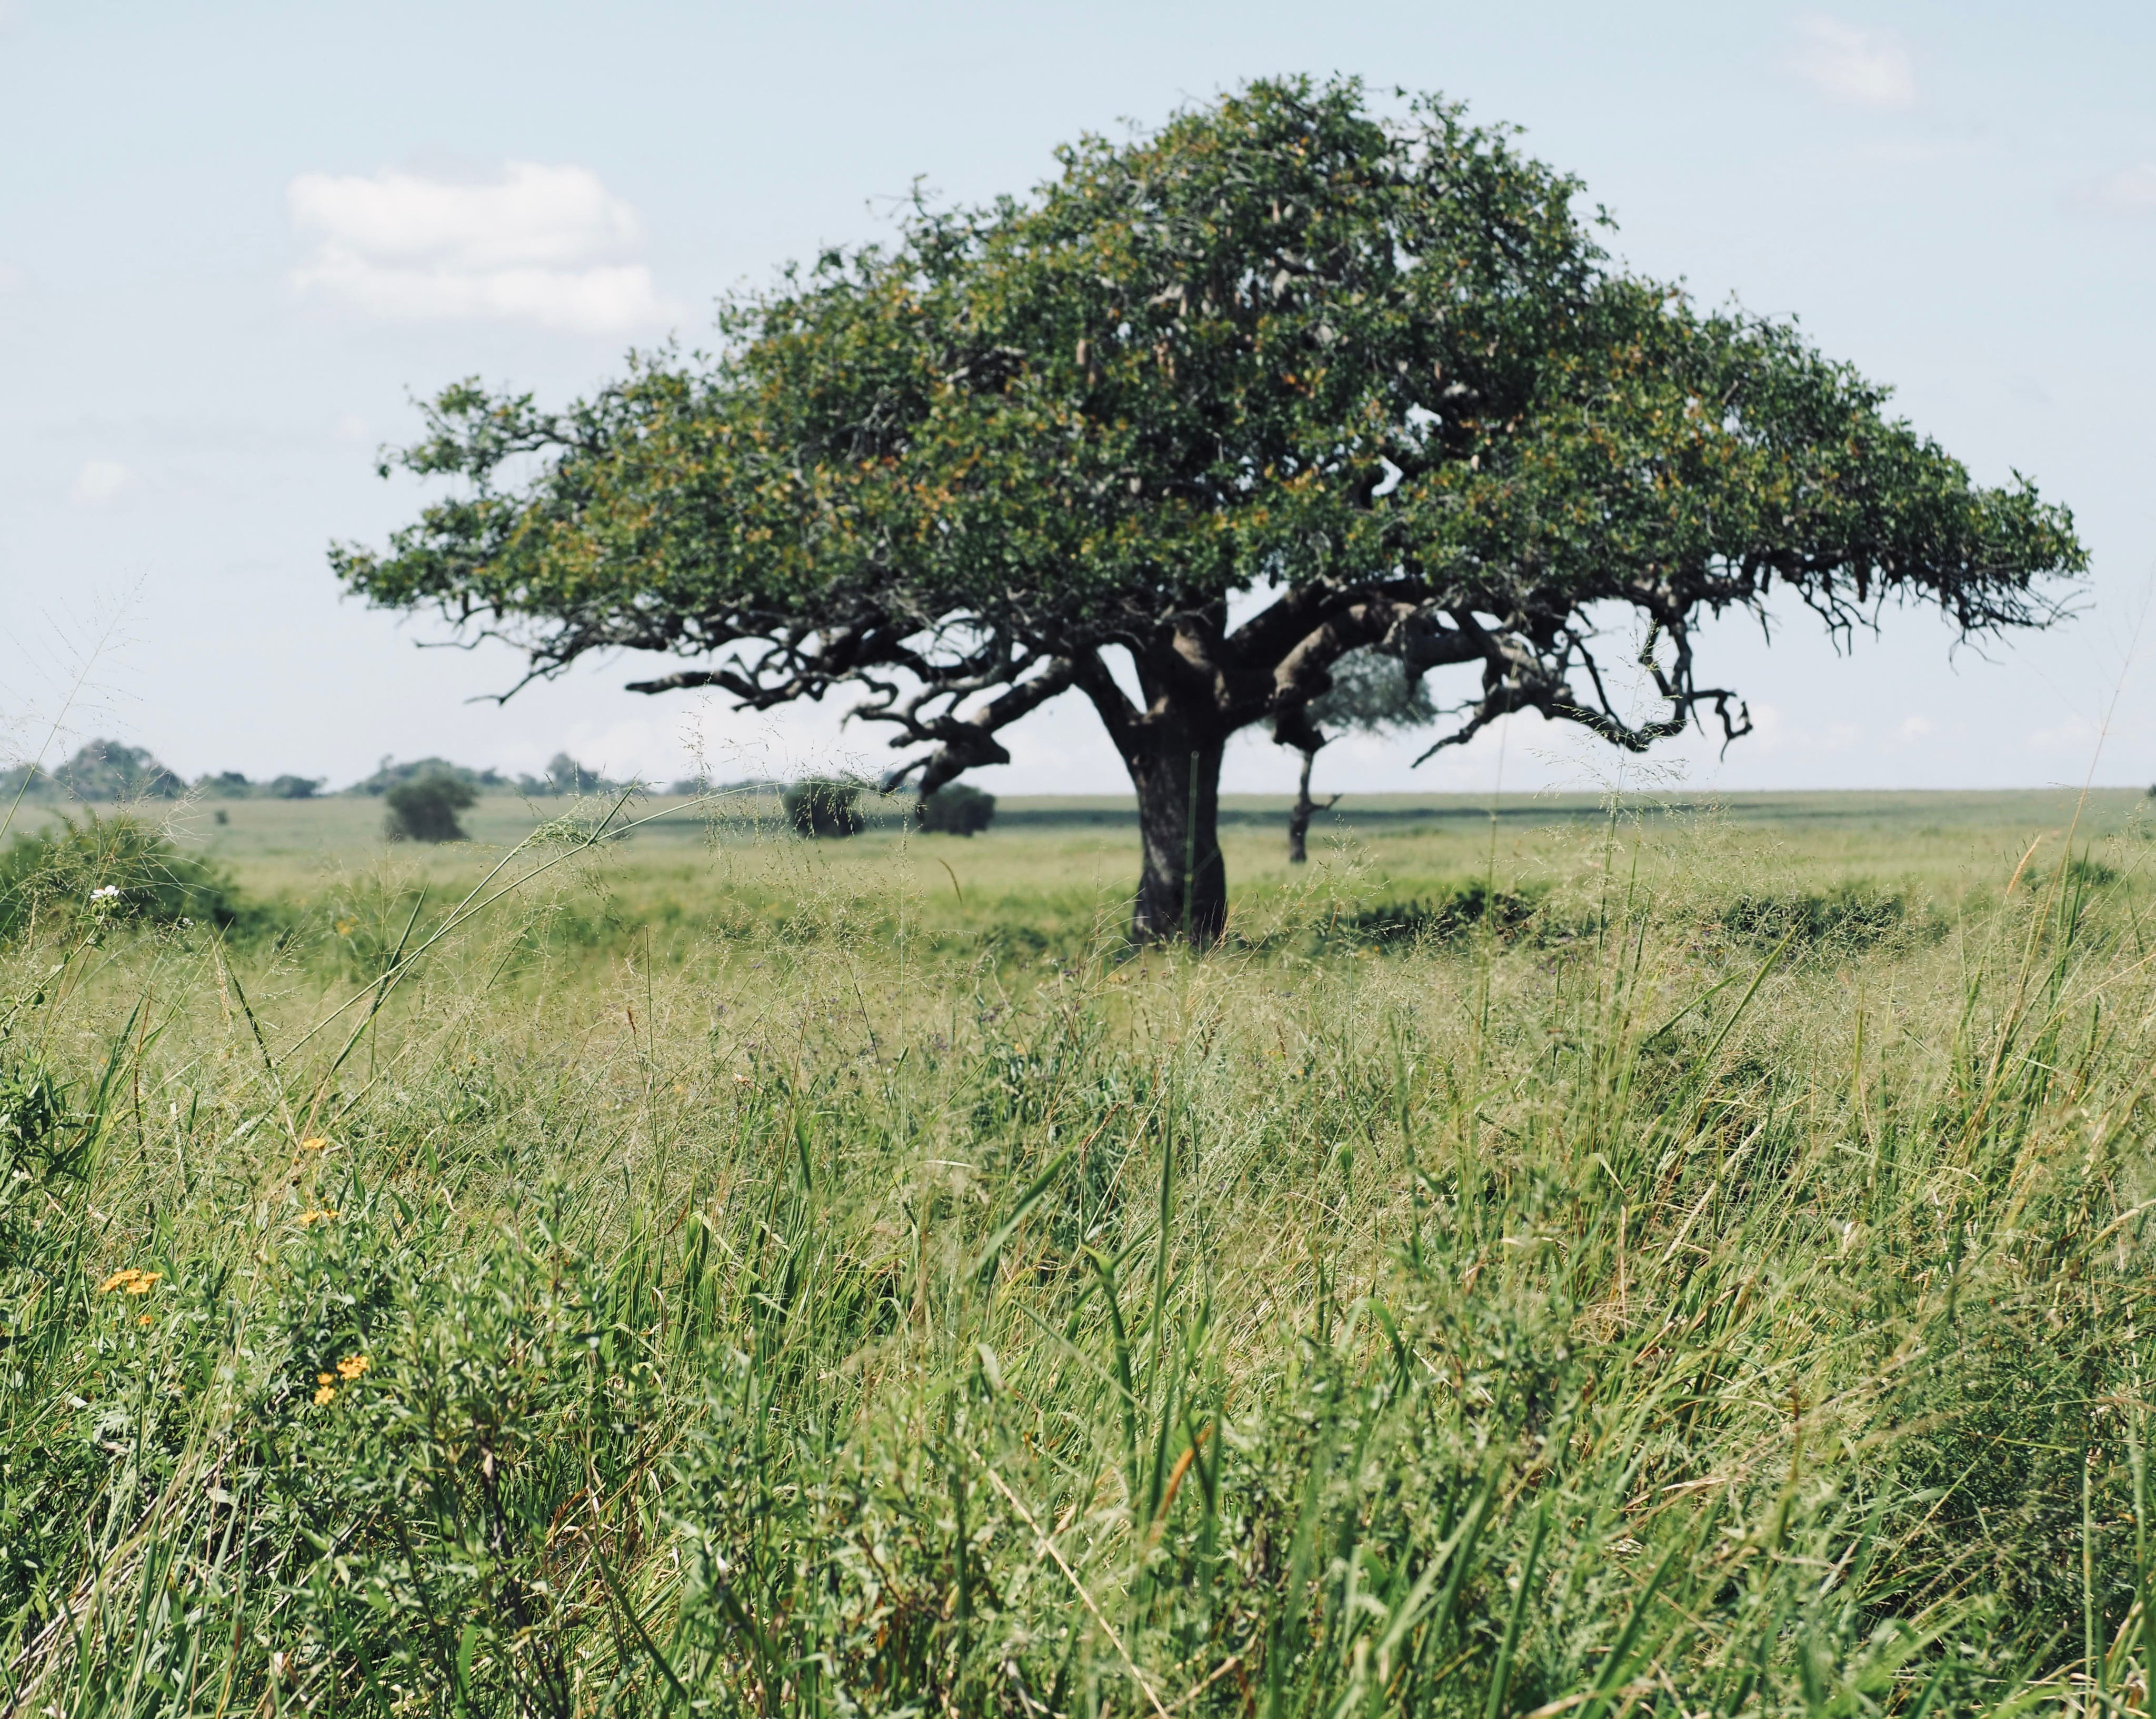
{"x":1182,"y":886}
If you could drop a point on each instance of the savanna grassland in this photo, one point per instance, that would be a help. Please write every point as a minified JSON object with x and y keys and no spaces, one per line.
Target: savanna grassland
{"x":1585,"y":1260}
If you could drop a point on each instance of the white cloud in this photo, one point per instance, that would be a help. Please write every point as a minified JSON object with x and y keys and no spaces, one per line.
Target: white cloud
{"x":99,"y":482}
{"x":2131,"y":191}
{"x":546,"y":245}
{"x":1857,"y":67}
{"x":2076,"y":737}
{"x":1915,"y":728}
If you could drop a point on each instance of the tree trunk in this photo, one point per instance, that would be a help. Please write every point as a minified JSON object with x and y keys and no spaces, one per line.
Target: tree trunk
{"x":1183,"y":891}
{"x":1298,"y":820}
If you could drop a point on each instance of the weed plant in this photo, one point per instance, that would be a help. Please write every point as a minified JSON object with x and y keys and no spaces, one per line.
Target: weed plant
{"x":831,"y":1312}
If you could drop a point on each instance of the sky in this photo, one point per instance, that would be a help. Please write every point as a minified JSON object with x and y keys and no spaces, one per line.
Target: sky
{"x":237,"y":241}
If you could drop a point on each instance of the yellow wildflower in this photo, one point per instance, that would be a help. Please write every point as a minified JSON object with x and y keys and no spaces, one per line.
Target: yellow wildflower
{"x":314,"y":1142}
{"x":145,"y":1319}
{"x":346,"y":927}
{"x":327,"y":1394}
{"x":352,"y":1366}
{"x":322,"y":1217}
{"x":135,"y":1282}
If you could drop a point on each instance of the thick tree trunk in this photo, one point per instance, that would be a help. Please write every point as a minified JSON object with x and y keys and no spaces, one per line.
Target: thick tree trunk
{"x":1298,"y":820}
{"x":1183,"y":891}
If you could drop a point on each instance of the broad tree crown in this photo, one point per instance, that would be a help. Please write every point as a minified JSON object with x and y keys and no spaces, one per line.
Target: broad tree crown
{"x":1374,"y":376}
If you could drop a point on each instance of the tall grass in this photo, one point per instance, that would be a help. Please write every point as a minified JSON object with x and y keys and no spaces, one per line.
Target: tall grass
{"x":1695,"y":1305}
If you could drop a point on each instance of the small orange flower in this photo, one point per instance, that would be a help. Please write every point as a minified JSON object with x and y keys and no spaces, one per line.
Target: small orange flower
{"x":314,"y":1142}
{"x":307,"y":1218}
{"x":325,"y":1395}
{"x":352,"y":1366}
{"x":145,"y":1319}
{"x":129,"y":1278}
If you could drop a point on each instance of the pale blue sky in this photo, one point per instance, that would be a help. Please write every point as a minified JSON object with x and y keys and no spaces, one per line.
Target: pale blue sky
{"x":234,"y":237}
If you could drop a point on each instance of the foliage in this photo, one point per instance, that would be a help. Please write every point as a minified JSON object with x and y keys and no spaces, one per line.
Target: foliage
{"x":99,"y":871}
{"x":956,"y":808}
{"x":1493,"y":1328}
{"x":424,"y":808}
{"x":1849,"y":916}
{"x":565,"y":776}
{"x":391,"y":774}
{"x":1372,"y":692}
{"x":824,"y":806}
{"x":1452,"y":914}
{"x":100,"y":770}
{"x":233,"y":785}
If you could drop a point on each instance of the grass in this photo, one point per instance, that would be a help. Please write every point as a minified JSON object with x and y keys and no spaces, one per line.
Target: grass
{"x":729,"y":1274}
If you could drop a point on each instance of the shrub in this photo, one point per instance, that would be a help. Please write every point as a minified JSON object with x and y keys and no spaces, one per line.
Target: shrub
{"x":956,"y":809}
{"x":1847,"y":915}
{"x":824,"y":807}
{"x":68,"y":870}
{"x":425,"y":809}
{"x":1444,"y":916}
{"x":294,"y":788}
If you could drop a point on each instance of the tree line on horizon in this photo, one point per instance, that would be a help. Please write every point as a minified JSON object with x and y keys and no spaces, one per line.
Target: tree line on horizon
{"x":108,"y":771}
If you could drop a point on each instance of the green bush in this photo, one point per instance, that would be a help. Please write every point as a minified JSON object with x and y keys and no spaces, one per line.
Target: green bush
{"x":425,"y":809}
{"x":1848,"y":915}
{"x":116,"y":868}
{"x":1443,"y":916}
{"x":824,"y":807}
{"x":957,"y":809}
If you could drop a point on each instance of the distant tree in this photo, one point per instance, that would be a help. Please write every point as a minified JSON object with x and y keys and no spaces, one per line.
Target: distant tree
{"x":565,"y":776}
{"x":425,"y":809}
{"x":23,"y":779}
{"x":390,"y":774}
{"x":1373,"y":371}
{"x":824,"y":807}
{"x":106,"y":769}
{"x":1371,"y":694}
{"x":225,"y":785}
{"x":956,"y":808}
{"x":294,"y":788}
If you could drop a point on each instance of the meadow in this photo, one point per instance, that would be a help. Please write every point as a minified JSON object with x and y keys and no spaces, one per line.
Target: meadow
{"x":1552,"y":1258}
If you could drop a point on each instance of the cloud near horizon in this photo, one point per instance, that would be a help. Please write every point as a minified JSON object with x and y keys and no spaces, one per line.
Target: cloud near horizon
{"x":2130,"y":191}
{"x":546,"y":245}
{"x":1854,"y":66}
{"x":100,"y":483}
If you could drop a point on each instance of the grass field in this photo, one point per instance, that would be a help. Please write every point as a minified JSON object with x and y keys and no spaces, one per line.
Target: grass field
{"x":1681,"y":1259}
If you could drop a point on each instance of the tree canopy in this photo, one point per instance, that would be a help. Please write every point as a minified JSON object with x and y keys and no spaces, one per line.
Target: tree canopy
{"x":1373,"y":377}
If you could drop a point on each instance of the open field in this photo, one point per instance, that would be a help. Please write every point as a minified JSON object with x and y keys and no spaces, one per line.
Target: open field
{"x":1571,"y":1262}
{"x":1082,"y":850}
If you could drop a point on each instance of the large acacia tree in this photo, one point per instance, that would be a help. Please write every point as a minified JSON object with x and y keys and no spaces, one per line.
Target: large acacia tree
{"x":1374,"y":377}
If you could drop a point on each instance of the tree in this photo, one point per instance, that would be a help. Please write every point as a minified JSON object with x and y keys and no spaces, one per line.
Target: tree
{"x":1376,"y":374}
{"x":1371,"y":693}
{"x":821,"y":807}
{"x":425,"y":809}
{"x":956,"y":808}
{"x":106,"y":769}
{"x":389,"y":774}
